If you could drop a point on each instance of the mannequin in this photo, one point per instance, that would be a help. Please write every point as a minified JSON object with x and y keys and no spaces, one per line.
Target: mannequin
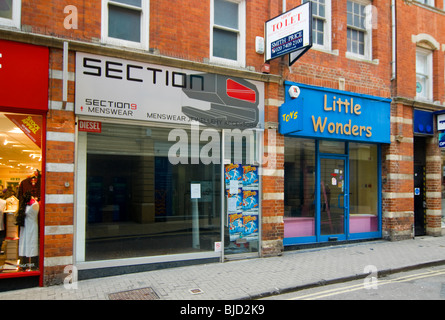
{"x":27,"y":218}
{"x":29,"y":233}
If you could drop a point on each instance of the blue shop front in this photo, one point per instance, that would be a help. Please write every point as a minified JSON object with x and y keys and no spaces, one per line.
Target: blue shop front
{"x":332,"y":166}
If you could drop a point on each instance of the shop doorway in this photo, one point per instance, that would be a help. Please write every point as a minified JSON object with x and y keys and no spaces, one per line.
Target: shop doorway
{"x":419,"y":186}
{"x":332,"y":191}
{"x":334,"y":200}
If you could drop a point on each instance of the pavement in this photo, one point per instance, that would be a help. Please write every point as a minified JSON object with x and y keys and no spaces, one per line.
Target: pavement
{"x":252,"y":278}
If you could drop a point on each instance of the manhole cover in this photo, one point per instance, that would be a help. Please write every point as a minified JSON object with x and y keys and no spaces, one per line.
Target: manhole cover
{"x":137,"y":294}
{"x":196,"y":291}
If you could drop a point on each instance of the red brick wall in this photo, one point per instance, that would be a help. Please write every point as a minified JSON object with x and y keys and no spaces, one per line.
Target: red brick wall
{"x":181,"y":29}
{"x":413,"y":20}
{"x":369,"y":77}
{"x":59,"y":244}
{"x":47,"y":17}
{"x":427,"y":23}
{"x":178,"y":29}
{"x":397,"y":176}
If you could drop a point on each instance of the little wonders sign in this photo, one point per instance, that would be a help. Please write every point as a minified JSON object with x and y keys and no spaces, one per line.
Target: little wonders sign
{"x":334,"y":114}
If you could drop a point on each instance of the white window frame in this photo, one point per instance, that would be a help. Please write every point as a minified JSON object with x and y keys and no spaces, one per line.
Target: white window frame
{"x":327,"y":27}
{"x":367,"y":29}
{"x":145,"y":16}
{"x":428,"y":92}
{"x":241,"y":49}
{"x":16,"y":16}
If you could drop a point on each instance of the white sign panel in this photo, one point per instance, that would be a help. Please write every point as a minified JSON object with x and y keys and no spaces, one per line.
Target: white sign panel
{"x":289,"y":32}
{"x":441,"y":122}
{"x":195,"y":191}
{"x":123,"y":89}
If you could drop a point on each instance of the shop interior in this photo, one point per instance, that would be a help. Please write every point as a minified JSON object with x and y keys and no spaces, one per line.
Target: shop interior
{"x":300,"y":181}
{"x":20,"y":173}
{"x":138,"y":204}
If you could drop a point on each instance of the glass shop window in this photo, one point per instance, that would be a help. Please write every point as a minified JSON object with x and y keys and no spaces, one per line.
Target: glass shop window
{"x":140,"y":202}
{"x":363,"y":188}
{"x":20,"y":188}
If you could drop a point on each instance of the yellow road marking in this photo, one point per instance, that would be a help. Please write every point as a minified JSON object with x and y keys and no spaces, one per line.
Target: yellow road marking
{"x":361,"y":286}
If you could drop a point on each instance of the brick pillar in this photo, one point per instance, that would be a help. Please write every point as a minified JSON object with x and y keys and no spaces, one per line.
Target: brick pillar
{"x":273,"y":178}
{"x":397,"y":176}
{"x":59,"y":193}
{"x":433,"y":187}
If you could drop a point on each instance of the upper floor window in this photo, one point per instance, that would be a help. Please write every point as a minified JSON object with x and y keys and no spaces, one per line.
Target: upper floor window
{"x":227,"y":34}
{"x":125,"y":23}
{"x":321,"y":23}
{"x":424,"y":74}
{"x":358,"y":35}
{"x":10,"y":11}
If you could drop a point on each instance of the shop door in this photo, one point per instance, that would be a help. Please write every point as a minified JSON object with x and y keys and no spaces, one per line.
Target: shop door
{"x":419,"y":200}
{"x":334,"y":199}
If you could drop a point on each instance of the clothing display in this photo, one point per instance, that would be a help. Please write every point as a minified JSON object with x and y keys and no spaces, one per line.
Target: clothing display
{"x":30,"y":184}
{"x":21,"y":183}
{"x":20,"y":238}
{"x":2,"y":210}
{"x":29,"y":234}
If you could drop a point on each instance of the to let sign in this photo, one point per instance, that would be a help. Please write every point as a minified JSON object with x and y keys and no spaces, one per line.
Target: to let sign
{"x":289,"y":32}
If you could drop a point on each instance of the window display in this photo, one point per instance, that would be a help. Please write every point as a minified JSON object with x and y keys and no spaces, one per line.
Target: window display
{"x":299,"y":181}
{"x":142,"y":200}
{"x":363,"y":196}
{"x":157,"y":191}
{"x":20,"y":182}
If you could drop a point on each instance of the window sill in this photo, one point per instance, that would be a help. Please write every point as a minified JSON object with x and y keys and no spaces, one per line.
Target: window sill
{"x":423,"y":100}
{"x":226,"y":62}
{"x":9,"y":24}
{"x":325,"y":50}
{"x":124,"y":43}
{"x":426,"y":6}
{"x":356,"y":57}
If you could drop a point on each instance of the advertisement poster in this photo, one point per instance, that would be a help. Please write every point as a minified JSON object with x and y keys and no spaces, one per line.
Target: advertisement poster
{"x":242,"y":192}
{"x":30,"y":125}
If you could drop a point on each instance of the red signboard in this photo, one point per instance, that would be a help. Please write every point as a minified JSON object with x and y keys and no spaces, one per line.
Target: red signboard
{"x":90,"y":126}
{"x":23,"y":75}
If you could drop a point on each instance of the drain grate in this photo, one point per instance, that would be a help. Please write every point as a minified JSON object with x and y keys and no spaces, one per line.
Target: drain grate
{"x":137,"y":294}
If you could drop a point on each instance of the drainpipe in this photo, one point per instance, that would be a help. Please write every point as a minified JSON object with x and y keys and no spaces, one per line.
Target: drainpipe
{"x":393,"y":29}
{"x":65,"y":75}
{"x":284,"y":6}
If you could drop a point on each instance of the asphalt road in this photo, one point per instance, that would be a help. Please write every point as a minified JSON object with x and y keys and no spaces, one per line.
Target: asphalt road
{"x":421,"y":284}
